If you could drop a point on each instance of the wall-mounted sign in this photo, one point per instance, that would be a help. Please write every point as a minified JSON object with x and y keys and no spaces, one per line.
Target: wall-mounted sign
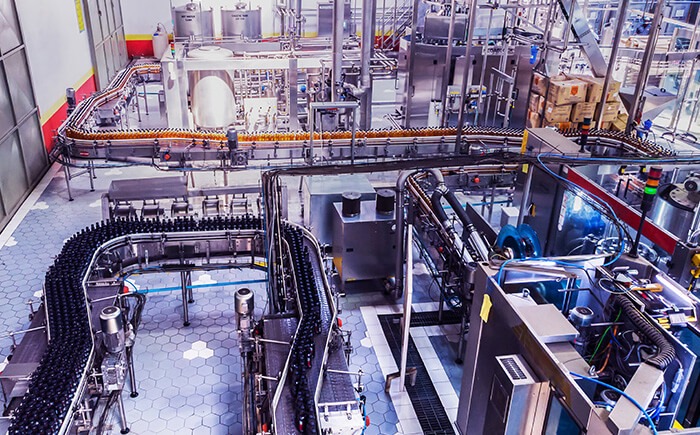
{"x":79,"y":12}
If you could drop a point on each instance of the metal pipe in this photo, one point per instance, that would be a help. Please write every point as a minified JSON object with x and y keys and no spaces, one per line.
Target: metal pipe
{"x":410,"y":64}
{"x":621,"y":15}
{"x":448,"y":64}
{"x":407,"y":303}
{"x":400,"y":190}
{"x":298,"y":19}
{"x":337,"y":44}
{"x":646,"y":65}
{"x":526,"y":196}
{"x":466,"y":77}
{"x":369,"y":12}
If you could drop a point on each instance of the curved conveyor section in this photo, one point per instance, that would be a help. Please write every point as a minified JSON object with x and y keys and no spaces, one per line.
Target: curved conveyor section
{"x":58,"y":382}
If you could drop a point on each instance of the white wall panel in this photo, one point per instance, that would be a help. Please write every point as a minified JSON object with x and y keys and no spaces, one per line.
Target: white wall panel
{"x":58,"y":53}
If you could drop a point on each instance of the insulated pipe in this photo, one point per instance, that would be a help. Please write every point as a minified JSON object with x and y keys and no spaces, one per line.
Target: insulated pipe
{"x":620,"y":25}
{"x":337,"y":44}
{"x":436,"y":202}
{"x":369,"y":12}
{"x":400,"y":248}
{"x":474,"y":237}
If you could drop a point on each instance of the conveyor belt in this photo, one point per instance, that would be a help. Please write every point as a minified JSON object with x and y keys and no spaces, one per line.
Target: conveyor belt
{"x":79,"y":140}
{"x":57,"y":384}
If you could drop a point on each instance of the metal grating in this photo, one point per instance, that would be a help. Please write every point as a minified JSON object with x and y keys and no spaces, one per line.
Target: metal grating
{"x":513,"y":369}
{"x":424,"y":398}
{"x":430,"y":318}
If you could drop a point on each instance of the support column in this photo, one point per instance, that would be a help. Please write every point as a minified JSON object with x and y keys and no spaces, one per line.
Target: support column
{"x":337,"y":46}
{"x":467,"y":76}
{"x":646,"y":65}
{"x":619,"y":27}
{"x":369,"y":13}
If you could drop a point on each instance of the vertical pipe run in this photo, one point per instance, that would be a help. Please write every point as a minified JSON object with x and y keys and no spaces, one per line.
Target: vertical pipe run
{"x":369,"y":12}
{"x":619,"y":27}
{"x":467,"y":76}
{"x":407,"y":303}
{"x":410,"y":63}
{"x":526,"y":196}
{"x":448,"y":64}
{"x":337,"y":43}
{"x":646,"y":64}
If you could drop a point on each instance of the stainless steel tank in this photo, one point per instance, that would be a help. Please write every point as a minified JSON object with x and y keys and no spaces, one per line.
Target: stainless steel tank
{"x":191,"y":20}
{"x":674,"y":210}
{"x":241,"y":23}
{"x":213,"y":103}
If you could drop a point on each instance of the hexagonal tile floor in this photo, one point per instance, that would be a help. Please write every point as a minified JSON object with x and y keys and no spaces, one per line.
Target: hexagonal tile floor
{"x":189,"y":378}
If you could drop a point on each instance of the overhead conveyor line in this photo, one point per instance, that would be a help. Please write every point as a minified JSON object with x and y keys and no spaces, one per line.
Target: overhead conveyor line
{"x":77,"y":139}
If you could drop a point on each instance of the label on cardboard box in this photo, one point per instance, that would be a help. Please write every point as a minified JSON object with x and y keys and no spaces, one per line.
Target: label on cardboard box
{"x":554,"y":113}
{"x":581,"y":111}
{"x":610,"y":110}
{"x":539,"y":83}
{"x":569,"y":91}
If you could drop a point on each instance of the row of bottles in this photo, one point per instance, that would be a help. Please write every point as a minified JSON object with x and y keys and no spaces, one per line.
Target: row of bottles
{"x":303,"y":351}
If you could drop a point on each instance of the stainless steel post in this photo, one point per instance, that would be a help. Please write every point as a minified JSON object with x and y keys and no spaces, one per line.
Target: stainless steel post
{"x":298,"y":19}
{"x":619,"y":27}
{"x":526,"y":196}
{"x":448,"y":64}
{"x":369,"y":12}
{"x":122,"y":415}
{"x":337,"y":44}
{"x":467,"y":77}
{"x":646,"y":64}
{"x":407,"y":303}
{"x":185,"y":310}
{"x":132,"y":375}
{"x":410,"y":64}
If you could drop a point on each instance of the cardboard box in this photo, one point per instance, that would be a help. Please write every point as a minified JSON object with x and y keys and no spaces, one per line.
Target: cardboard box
{"x":595,"y":88}
{"x":568,"y":91}
{"x":610,"y":110}
{"x":533,"y":120}
{"x":581,"y":111}
{"x":539,"y":83}
{"x":620,"y":123}
{"x":606,"y":125}
{"x":554,"y":113}
{"x":536,"y":103}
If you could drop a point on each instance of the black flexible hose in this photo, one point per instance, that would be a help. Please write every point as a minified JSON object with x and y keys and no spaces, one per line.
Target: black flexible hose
{"x":666,"y":353}
{"x":435,"y":201}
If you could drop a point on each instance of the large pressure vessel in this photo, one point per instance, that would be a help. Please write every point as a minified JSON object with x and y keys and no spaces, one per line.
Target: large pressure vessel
{"x":213,"y":104}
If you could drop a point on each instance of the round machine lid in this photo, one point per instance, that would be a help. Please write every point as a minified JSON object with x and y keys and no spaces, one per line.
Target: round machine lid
{"x":210,"y":52}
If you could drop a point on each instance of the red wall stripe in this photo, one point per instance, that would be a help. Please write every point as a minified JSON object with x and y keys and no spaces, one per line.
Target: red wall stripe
{"x":658,"y":235}
{"x":51,"y":125}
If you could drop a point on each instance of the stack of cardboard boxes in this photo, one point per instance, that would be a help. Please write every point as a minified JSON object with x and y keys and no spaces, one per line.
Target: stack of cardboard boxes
{"x":564,"y":101}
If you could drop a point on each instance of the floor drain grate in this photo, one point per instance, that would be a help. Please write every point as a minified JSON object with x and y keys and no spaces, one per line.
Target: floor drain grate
{"x":424,"y":398}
